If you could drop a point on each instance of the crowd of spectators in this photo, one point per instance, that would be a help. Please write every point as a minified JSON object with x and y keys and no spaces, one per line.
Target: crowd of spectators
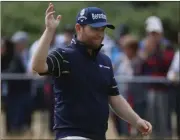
{"x":151,"y":56}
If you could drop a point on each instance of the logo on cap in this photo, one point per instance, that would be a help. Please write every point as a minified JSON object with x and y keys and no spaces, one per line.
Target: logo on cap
{"x":82,"y":17}
{"x":82,"y":12}
{"x":98,"y":16}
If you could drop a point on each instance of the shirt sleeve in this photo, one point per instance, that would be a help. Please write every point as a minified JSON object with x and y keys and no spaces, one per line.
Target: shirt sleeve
{"x":174,"y":68}
{"x":54,"y":62}
{"x":175,"y":63}
{"x":113,"y":89}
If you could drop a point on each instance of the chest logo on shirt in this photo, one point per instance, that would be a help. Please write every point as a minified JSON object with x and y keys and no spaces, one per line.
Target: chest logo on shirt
{"x":102,"y":66}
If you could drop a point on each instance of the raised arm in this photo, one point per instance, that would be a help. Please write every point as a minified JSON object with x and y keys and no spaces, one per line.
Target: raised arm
{"x":39,"y":58}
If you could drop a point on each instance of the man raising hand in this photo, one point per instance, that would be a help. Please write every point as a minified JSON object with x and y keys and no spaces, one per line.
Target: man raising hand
{"x":84,"y":83}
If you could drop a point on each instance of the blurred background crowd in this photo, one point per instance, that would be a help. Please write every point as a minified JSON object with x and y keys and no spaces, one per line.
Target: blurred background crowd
{"x":144,"y":50}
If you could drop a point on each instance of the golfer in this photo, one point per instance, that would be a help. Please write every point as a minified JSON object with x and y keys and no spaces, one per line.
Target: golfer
{"x":84,"y":83}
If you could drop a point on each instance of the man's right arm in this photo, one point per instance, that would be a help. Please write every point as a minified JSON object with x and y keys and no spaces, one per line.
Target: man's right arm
{"x":39,"y":63}
{"x":44,"y":63}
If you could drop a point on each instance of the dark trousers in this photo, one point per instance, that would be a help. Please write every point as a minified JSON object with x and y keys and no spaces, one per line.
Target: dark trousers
{"x":174,"y":101}
{"x":178,"y":112}
{"x":158,"y":112}
{"x":18,"y":112}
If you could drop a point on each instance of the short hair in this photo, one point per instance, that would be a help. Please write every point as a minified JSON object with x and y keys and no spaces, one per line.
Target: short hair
{"x":131,"y":42}
{"x":68,"y":28}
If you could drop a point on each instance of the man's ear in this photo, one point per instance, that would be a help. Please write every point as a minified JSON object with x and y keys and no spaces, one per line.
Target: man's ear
{"x":78,"y":28}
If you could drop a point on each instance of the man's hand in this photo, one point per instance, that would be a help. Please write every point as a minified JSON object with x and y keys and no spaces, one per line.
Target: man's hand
{"x":39,"y":57}
{"x":121,"y":107}
{"x":50,"y":21}
{"x":144,"y":127}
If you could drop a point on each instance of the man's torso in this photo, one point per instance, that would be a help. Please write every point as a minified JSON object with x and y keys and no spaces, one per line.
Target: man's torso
{"x":81,"y":94}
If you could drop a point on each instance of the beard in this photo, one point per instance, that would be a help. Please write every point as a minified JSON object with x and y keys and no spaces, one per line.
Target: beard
{"x":93,"y":44}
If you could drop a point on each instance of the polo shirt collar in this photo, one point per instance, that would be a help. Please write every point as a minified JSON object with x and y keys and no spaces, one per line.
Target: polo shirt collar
{"x":84,"y":48}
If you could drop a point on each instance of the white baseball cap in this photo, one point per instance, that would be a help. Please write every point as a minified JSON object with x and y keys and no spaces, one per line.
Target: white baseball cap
{"x":154,"y":24}
{"x":20,"y":36}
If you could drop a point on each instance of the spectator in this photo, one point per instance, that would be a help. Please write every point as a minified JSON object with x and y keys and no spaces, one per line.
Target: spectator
{"x":20,"y":39}
{"x":18,"y":99}
{"x":121,"y":32}
{"x":154,"y":29}
{"x":134,"y":61}
{"x":113,"y":48}
{"x":174,"y":71}
{"x":117,"y":50}
{"x":158,"y":56}
{"x":68,"y":34}
{"x":108,"y":44}
{"x":7,"y":50}
{"x":174,"y":76}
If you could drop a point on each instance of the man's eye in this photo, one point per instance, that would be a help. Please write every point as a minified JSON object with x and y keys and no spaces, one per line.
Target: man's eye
{"x":98,"y":29}
{"x":95,"y":29}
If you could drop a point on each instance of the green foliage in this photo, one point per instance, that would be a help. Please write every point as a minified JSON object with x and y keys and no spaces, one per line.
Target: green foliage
{"x":29,"y":16}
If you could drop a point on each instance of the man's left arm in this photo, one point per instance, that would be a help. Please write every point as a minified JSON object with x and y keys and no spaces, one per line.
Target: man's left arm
{"x":122,"y":108}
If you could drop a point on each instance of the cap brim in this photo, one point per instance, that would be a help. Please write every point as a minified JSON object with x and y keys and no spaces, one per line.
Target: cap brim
{"x":154,"y":30}
{"x":102,"y":24}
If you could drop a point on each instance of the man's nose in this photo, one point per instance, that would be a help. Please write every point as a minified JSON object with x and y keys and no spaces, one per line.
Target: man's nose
{"x":100,"y":33}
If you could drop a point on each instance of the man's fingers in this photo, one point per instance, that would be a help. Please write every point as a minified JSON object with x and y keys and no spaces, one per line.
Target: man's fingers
{"x":50,"y":8}
{"x":147,"y":131}
{"x":58,"y":17}
{"x":145,"y":126}
{"x":50,"y":14}
{"x":149,"y":127}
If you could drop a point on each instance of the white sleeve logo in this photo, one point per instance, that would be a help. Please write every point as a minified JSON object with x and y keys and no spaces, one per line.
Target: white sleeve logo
{"x":102,"y":66}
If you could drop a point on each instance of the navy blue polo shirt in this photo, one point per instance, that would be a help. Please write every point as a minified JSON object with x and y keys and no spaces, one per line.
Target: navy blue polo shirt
{"x":82,"y":85}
